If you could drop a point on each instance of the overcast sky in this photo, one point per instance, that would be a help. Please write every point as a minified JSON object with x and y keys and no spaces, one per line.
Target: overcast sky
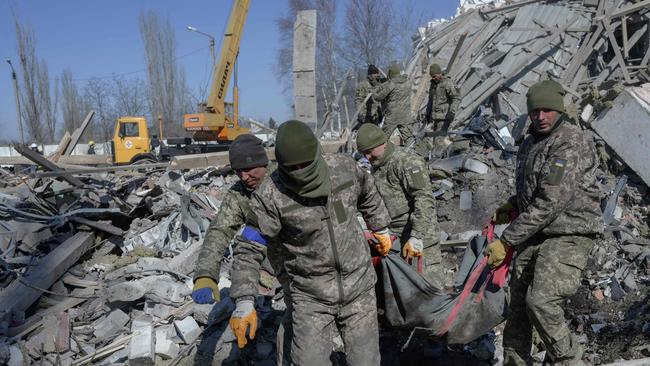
{"x":99,"y":39}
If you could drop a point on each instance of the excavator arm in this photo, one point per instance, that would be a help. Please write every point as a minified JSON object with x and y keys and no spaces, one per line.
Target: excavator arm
{"x":213,"y":123}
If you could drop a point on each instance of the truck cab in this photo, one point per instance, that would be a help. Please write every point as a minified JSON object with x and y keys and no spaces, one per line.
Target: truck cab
{"x":131,"y":140}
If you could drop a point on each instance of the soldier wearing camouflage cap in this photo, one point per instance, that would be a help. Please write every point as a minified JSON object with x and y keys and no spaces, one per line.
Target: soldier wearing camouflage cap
{"x":403,"y":182}
{"x":395,"y":96}
{"x":559,"y":215}
{"x":369,"y":109}
{"x":443,"y":100}
{"x":307,"y":213}
{"x":249,"y":161}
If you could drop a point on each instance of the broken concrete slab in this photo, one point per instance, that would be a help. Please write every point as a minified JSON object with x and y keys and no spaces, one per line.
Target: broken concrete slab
{"x":628,"y":117}
{"x":111,"y":324}
{"x":166,"y":348}
{"x":187,"y":329}
{"x":142,"y":345}
{"x":162,"y":289}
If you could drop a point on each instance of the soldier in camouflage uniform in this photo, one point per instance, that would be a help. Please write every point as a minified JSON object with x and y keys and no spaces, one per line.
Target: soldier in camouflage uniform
{"x":402,"y":179}
{"x":443,"y":100}
{"x":371,"y":111}
{"x":308,"y":208}
{"x":248,"y":159}
{"x":558,"y":204}
{"x":395,"y":96}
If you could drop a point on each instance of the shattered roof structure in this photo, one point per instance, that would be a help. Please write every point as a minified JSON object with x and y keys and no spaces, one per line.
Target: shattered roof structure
{"x":495,"y":53}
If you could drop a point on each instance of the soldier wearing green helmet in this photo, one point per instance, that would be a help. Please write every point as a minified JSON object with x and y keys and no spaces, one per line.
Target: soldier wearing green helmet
{"x":443,"y":100}
{"x":559,"y":215}
{"x":395,"y":96}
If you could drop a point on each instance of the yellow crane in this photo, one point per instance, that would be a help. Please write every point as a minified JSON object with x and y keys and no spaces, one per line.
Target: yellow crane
{"x":217,"y":119}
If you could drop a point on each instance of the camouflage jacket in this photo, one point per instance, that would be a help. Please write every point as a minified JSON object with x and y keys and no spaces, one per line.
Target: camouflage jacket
{"x":443,"y":98}
{"x":323,"y":249}
{"x":395,"y":96}
{"x":371,"y":111}
{"x":403,"y":182}
{"x":556,"y":186}
{"x":229,"y":220}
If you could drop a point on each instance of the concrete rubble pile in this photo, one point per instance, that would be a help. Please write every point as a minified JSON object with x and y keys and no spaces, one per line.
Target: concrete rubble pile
{"x":96,"y":268}
{"x":101,"y":274}
{"x":599,"y":52}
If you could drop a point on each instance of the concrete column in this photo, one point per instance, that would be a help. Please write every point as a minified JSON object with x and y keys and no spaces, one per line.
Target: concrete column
{"x":304,"y":67}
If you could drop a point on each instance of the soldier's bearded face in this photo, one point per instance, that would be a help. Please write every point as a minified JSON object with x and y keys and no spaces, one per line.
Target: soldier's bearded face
{"x":375,"y":154}
{"x":252,"y":177}
{"x":544,"y":119}
{"x":436,"y":77}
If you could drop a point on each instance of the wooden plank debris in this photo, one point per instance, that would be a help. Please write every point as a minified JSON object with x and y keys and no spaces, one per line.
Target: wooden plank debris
{"x":22,"y":293}
{"x":46,"y":164}
{"x":76,"y":135}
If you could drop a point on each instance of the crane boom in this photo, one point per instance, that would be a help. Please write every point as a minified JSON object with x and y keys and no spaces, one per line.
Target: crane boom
{"x":213,"y":122}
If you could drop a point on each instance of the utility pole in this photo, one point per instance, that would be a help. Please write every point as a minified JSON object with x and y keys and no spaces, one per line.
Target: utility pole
{"x":17,"y":95}
{"x":214,"y":55}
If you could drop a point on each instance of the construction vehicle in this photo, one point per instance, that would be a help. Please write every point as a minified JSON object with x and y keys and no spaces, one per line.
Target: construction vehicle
{"x":217,"y":120}
{"x":214,"y":126}
{"x":131,"y":142}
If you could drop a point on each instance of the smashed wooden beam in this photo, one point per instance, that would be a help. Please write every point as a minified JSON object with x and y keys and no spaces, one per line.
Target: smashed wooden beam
{"x":617,"y":51}
{"x":102,"y":226}
{"x":76,"y":135}
{"x":90,"y":170}
{"x":46,"y":164}
{"x":63,"y":160}
{"x":25,"y":290}
{"x":60,"y":149}
{"x":221,"y":158}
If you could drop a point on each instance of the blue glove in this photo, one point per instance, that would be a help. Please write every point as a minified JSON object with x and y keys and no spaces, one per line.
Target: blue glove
{"x":205,"y":291}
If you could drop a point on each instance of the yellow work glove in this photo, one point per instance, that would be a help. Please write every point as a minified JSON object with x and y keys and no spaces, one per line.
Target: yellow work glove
{"x":384,"y":245}
{"x":496,"y":252}
{"x":205,"y":291}
{"x":412,"y":248}
{"x":243,"y":319}
{"x":502,"y":214}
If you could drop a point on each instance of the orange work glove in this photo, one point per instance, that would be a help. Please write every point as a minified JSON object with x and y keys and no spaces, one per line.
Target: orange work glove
{"x":412,"y":248}
{"x":496,"y":252}
{"x":385,"y":243}
{"x":243,"y":319}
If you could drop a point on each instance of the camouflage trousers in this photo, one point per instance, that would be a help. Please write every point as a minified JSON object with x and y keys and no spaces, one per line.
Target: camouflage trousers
{"x":314,"y":325}
{"x":405,"y":132}
{"x":547,"y":270}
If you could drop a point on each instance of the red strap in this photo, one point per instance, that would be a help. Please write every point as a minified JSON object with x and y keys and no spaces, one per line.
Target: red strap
{"x":501,"y":273}
{"x":476,"y":274}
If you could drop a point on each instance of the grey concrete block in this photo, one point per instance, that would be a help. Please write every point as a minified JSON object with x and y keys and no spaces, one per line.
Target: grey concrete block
{"x":626,"y":129}
{"x":188,"y":329}
{"x":111,"y":324}
{"x":165,"y":346}
{"x":142,"y":346}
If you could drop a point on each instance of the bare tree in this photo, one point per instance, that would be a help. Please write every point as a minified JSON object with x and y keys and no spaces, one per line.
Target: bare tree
{"x":369,"y":32}
{"x":98,"y":95}
{"x":49,"y":104}
{"x":167,"y":87}
{"x":408,"y":20}
{"x":30,"y":99}
{"x":128,"y":97}
{"x":73,"y":106}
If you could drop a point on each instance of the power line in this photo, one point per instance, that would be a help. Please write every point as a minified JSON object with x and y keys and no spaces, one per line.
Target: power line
{"x":140,"y":70}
